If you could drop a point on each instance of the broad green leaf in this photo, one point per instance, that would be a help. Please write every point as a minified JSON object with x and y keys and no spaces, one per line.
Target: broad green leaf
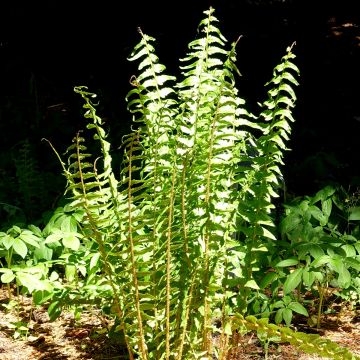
{"x":315,"y":251}
{"x":320,"y":261}
{"x":82,"y":270}
{"x":55,"y":237}
{"x":41,"y":296}
{"x":308,"y":277}
{"x":279,"y":316}
{"x":354,"y":213}
{"x":252,"y":285}
{"x":290,"y":223}
{"x":323,"y":194}
{"x":344,"y":277}
{"x":287,"y":262}
{"x":227,"y":329}
{"x":35,"y":230}
{"x":8,"y":276}
{"x":54,"y":310}
{"x":268,"y":279}
{"x":20,"y":247}
{"x":7,"y":241}
{"x":353,"y":262}
{"x":278,"y":304}
{"x":292,"y":281}
{"x":28,"y":237}
{"x":78,"y":215}
{"x":318,"y":214}
{"x":298,"y":308}
{"x":349,"y":250}
{"x":71,"y":241}
{"x":69,"y":224}
{"x":268,"y":234}
{"x":15,"y":229}
{"x":70,"y":272}
{"x":357,"y":247}
{"x":54,"y":276}
{"x":319,"y":276}
{"x":94,"y":260}
{"x":31,"y":281}
{"x":348,"y":238}
{"x":326,"y":207}
{"x":287,"y":315}
{"x":43,"y":253}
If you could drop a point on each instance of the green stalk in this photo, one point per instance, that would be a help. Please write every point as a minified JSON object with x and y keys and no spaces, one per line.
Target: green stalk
{"x":99,"y":240}
{"x":321,"y":291}
{"x":142,"y":346}
{"x":168,"y":263}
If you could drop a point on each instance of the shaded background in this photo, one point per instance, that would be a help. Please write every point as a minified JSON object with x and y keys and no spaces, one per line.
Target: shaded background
{"x":48,"y":47}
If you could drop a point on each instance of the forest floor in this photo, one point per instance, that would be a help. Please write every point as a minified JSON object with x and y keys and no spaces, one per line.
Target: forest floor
{"x":70,"y":339}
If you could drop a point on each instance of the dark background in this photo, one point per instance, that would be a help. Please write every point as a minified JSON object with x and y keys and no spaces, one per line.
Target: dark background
{"x":48,"y":47}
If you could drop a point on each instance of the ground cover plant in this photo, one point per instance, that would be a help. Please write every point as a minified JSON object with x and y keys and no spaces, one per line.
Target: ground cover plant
{"x":173,"y":245}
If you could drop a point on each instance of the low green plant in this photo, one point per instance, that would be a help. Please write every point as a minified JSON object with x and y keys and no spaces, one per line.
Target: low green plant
{"x":29,"y":256}
{"x":20,"y":328}
{"x":320,"y":252}
{"x":27,"y":189}
{"x":15,"y":246}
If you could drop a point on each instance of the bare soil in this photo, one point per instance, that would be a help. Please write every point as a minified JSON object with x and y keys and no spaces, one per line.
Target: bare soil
{"x":70,"y":339}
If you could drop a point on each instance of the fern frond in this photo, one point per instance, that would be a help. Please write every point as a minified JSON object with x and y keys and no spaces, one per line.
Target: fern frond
{"x":260,"y":177}
{"x":30,"y":181}
{"x":308,"y":343}
{"x":193,"y":175}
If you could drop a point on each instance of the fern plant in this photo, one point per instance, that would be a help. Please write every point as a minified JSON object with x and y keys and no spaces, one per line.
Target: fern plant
{"x":178,"y":232}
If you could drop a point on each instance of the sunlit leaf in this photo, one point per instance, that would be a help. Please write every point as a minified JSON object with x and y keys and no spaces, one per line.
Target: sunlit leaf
{"x":7,"y":276}
{"x":287,"y":262}
{"x":287,"y":316}
{"x":94,"y":260}
{"x":71,"y":241}
{"x":292,"y":281}
{"x":7,"y":241}
{"x":252,"y":284}
{"x":298,"y":308}
{"x":30,"y":238}
{"x":20,"y":247}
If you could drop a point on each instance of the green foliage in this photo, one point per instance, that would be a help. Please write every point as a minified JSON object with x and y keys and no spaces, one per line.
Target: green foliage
{"x":198,"y":172}
{"x":181,"y":237}
{"x":326,"y":252}
{"x":30,"y":181}
{"x":309,"y":343}
{"x":27,"y":189}
{"x":319,"y":248}
{"x":18,"y":244}
{"x":27,"y":256}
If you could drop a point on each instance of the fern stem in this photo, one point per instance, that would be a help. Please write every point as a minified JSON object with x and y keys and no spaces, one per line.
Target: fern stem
{"x":184,"y":213}
{"x":321,"y":294}
{"x":142,"y":345}
{"x":188,"y":307}
{"x":168,"y":262}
